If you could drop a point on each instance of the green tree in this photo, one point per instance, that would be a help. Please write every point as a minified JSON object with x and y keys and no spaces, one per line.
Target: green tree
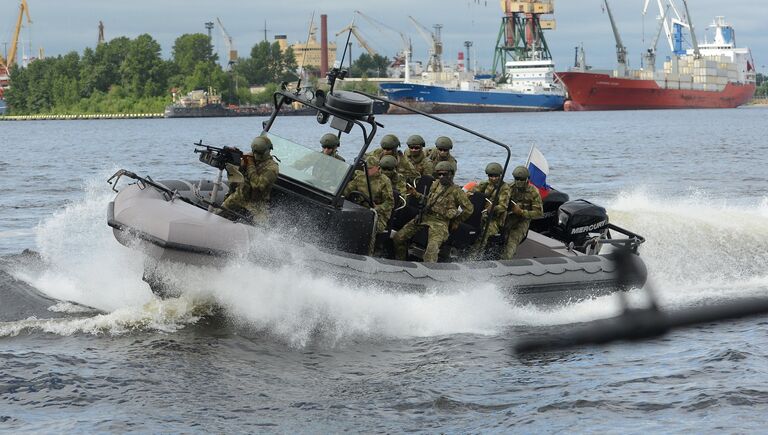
{"x":100,"y":68}
{"x":143,"y":73}
{"x":267,"y":64}
{"x":370,"y":66}
{"x":189,"y":50}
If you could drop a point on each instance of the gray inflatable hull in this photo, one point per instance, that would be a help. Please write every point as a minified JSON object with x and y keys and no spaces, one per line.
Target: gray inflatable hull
{"x":173,"y":230}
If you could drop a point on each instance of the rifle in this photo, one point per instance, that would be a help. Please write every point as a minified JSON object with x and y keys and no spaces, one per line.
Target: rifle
{"x":422,"y":206}
{"x":218,"y":157}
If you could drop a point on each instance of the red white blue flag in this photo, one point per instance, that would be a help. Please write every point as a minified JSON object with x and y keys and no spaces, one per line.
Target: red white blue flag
{"x":539,"y":168}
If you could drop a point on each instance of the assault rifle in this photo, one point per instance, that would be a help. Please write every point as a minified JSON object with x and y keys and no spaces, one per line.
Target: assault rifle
{"x":422,"y":206}
{"x":218,"y":157}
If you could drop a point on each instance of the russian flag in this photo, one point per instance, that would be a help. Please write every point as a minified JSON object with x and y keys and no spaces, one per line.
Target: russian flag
{"x":539,"y":168}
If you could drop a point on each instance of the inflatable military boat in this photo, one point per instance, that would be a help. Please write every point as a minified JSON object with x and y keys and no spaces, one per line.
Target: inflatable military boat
{"x":570,"y":253}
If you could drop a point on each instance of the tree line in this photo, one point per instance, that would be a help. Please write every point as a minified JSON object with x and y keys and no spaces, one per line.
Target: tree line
{"x":129,"y":76}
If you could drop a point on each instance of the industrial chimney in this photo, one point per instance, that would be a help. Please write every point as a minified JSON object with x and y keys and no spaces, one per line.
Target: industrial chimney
{"x":323,"y":45}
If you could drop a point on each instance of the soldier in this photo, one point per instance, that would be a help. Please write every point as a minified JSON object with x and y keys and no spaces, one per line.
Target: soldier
{"x":258,"y":173}
{"x":445,"y":208}
{"x":525,"y":202}
{"x":418,"y":158}
{"x":499,"y":213}
{"x":389,"y":168}
{"x":380,"y":194}
{"x":442,"y":152}
{"x":323,"y":170}
{"x":389,"y":146}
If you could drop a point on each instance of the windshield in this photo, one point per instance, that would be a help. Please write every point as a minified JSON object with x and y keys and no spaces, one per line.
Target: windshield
{"x":308,"y":166}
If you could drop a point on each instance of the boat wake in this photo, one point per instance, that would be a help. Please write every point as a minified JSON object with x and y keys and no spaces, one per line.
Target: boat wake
{"x":697,"y":250}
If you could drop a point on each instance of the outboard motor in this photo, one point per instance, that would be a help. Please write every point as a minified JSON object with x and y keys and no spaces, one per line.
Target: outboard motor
{"x":551,"y":203}
{"x":576,"y":220}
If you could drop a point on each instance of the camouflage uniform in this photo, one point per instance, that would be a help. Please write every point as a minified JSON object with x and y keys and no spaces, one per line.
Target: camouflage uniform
{"x":404,"y":166}
{"x":499,"y":212}
{"x":527,"y":198}
{"x":252,"y":195}
{"x":441,"y":208}
{"x":388,"y":166}
{"x":434,"y":157}
{"x":420,"y":162}
{"x":381,"y":188}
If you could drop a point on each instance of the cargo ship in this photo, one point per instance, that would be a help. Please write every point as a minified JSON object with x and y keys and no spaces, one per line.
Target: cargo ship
{"x":538,"y":92}
{"x":523,"y":78}
{"x":714,"y":74}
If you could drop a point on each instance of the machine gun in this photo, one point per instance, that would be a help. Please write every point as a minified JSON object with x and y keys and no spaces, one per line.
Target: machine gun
{"x":218,"y":157}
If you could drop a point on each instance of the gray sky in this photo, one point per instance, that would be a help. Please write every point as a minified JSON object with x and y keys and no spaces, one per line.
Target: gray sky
{"x":62,"y":26}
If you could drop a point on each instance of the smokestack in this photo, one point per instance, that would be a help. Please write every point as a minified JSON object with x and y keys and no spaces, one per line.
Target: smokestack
{"x":323,"y":45}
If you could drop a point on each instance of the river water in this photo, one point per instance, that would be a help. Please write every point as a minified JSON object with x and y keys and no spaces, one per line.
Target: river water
{"x":247,"y":349}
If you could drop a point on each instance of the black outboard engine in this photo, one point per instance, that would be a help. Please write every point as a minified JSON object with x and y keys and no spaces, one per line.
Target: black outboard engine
{"x":551,"y":205}
{"x":576,"y":220}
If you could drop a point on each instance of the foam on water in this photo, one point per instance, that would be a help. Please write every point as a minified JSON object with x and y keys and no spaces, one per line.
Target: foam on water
{"x":696,"y":249}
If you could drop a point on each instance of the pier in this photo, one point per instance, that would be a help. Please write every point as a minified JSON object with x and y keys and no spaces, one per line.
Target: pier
{"x":76,"y":117}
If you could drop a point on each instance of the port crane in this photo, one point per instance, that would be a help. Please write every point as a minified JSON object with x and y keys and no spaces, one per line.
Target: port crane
{"x":353,"y":28}
{"x":621,"y":49}
{"x":231,"y":52}
{"x":649,"y":57}
{"x":23,"y":10}
{"x":407,"y":46}
{"x":435,"y":44}
{"x":521,"y":35}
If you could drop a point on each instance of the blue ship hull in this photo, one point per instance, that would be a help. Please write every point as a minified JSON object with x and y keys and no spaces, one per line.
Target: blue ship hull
{"x":438,"y":99}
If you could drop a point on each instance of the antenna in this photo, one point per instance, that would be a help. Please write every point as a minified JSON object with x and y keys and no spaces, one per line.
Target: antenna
{"x":304,"y":55}
{"x":335,"y":72}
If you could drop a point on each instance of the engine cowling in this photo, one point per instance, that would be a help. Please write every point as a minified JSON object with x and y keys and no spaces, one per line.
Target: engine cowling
{"x":579,"y":220}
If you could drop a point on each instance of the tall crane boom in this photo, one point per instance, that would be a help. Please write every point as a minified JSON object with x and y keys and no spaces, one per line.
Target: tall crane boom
{"x":378,"y":24}
{"x":435,"y":44}
{"x":231,"y":52}
{"x":621,"y":50}
{"x":23,"y":10}
{"x":359,"y":38}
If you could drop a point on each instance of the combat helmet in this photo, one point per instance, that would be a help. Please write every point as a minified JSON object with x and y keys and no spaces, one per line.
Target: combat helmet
{"x":444,"y":167}
{"x":261,"y":145}
{"x":521,"y":173}
{"x":389,"y":142}
{"x":329,"y":140}
{"x":493,"y":169}
{"x":443,"y":143}
{"x":388,"y":162}
{"x":415,"y":140}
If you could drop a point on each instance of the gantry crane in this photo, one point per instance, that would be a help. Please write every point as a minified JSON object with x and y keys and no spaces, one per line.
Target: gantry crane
{"x":231,"y":52}
{"x":359,"y":38}
{"x":435,"y":44}
{"x":521,"y":35}
{"x":23,"y":10}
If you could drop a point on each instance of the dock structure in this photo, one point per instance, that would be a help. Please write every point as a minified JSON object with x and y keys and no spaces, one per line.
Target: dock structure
{"x":81,"y":117}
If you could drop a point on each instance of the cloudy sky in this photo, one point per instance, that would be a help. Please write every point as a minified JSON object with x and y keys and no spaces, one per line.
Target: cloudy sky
{"x":61,"y":26}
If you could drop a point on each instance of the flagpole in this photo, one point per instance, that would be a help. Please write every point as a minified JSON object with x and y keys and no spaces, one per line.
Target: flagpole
{"x":530,"y":153}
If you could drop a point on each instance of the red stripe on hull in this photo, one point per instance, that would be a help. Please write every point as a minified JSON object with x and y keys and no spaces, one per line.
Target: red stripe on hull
{"x":589,"y":91}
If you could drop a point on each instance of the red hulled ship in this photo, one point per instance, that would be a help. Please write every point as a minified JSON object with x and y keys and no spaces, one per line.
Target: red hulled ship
{"x":709,"y":75}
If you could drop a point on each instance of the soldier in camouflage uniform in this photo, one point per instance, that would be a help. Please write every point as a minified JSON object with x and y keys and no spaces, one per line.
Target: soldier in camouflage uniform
{"x":389,"y":146}
{"x":418,"y":157}
{"x":499,"y":213}
{"x":322,"y":169}
{"x":380,"y":194}
{"x":526,"y":206}
{"x":442,"y":152}
{"x":258,"y":172}
{"x":389,"y":168}
{"x":441,"y":213}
